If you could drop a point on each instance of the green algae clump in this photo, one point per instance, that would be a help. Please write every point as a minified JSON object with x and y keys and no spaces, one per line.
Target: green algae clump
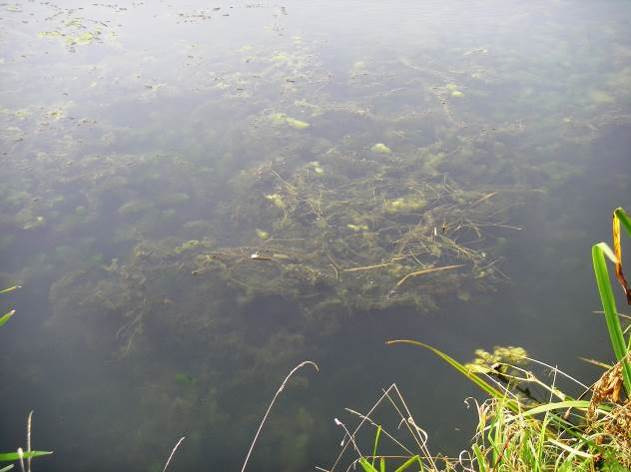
{"x":297,"y":124}
{"x":282,"y":118}
{"x":380,"y":148}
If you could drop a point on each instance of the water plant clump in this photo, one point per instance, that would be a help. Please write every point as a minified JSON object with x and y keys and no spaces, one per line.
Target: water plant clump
{"x":367,"y":233}
{"x":527,"y":422}
{"x":321,"y":239}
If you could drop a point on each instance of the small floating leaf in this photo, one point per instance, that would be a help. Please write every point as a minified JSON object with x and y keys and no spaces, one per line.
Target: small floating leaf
{"x":262,"y":234}
{"x":85,"y":38}
{"x":49,"y":34}
{"x":282,"y":118}
{"x":276,"y":199}
{"x":317,"y":168}
{"x":381,"y":148}
{"x":298,"y":124}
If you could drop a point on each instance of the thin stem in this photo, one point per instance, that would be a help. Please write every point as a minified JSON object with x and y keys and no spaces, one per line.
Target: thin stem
{"x":269,"y":408}
{"x":172,"y":453}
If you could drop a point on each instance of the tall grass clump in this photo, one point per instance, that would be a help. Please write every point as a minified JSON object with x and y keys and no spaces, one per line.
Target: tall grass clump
{"x":529,"y":421}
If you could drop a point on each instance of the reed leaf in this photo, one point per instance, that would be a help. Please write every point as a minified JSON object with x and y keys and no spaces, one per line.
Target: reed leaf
{"x":6,"y":317}
{"x":367,"y":466}
{"x":624,"y":219}
{"x":600,"y":252}
{"x":374,"y":449}
{"x":477,"y":380}
{"x":482,"y":466}
{"x":9,"y":289}
{"x":14,"y":456}
{"x":581,"y":404}
{"x":408,"y":463}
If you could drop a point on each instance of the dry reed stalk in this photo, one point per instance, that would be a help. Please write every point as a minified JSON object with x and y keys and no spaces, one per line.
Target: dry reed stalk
{"x":419,"y":436}
{"x":21,"y":457}
{"x":370,"y":267}
{"x":269,"y":408}
{"x":172,"y":453}
{"x":28,"y":439}
{"x":426,"y":271}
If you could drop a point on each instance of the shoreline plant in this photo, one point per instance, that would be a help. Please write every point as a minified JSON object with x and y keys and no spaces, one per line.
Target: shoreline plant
{"x":525,"y":424}
{"x":20,"y":454}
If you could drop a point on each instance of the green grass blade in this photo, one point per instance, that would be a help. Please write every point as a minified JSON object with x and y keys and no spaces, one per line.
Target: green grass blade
{"x":625,"y":219}
{"x":496,"y":433}
{"x":599,"y":252}
{"x":9,"y":467}
{"x":480,"y":457}
{"x":6,"y":317}
{"x":367,"y":466}
{"x":374,"y":448}
{"x":382,"y":464}
{"x":407,"y":463}
{"x":541,"y":440}
{"x":480,"y":382}
{"x":14,"y":456}
{"x":9,"y":289}
{"x":584,"y":404}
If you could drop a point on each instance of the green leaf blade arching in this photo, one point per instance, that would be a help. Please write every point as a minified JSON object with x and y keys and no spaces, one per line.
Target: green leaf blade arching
{"x":408,"y":463}
{"x":367,"y":466}
{"x":625,"y":219}
{"x":477,"y":380}
{"x":600,"y":252}
{"x":6,"y":317}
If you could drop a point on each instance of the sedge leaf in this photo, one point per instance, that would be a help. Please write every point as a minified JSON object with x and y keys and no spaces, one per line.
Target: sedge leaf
{"x":14,"y":456}
{"x":479,"y":381}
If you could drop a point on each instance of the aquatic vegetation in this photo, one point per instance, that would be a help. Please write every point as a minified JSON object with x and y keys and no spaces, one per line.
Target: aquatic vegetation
{"x":271,"y":405}
{"x":262,"y":234}
{"x":20,"y":455}
{"x":7,"y":316}
{"x":526,"y":423}
{"x":169,"y":204}
{"x":501,"y":355}
{"x":281,"y":118}
{"x":380,"y":148}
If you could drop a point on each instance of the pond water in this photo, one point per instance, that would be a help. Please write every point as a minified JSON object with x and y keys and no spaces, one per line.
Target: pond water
{"x":197,"y":196}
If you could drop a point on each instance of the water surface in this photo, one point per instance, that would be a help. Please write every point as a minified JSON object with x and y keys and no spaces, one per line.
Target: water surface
{"x":194,"y":196}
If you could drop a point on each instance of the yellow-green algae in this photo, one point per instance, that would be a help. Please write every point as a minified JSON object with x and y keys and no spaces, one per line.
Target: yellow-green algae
{"x":282,"y":118}
{"x":380,"y":148}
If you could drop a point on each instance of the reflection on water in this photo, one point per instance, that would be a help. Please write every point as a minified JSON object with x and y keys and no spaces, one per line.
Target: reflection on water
{"x":197,"y":197}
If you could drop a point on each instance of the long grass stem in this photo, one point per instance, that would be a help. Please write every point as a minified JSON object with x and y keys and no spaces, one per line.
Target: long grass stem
{"x":173,"y":453}
{"x":269,"y":408}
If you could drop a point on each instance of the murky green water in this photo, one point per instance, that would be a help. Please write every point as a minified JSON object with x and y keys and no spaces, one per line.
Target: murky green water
{"x":196,"y":197}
